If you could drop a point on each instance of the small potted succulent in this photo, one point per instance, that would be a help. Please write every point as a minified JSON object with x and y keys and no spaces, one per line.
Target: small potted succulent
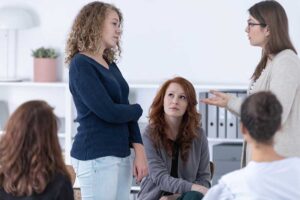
{"x":45,"y":64}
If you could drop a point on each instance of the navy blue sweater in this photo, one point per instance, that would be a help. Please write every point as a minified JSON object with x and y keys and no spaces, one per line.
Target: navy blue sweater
{"x":107,"y":122}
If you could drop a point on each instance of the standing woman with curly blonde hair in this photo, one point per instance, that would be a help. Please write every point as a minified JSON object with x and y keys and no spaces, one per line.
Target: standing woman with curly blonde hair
{"x":107,"y":122}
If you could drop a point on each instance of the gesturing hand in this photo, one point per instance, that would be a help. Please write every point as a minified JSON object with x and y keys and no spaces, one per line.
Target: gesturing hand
{"x":220,"y":99}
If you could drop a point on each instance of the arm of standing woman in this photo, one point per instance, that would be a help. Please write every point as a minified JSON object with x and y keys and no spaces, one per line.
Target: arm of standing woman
{"x":94,"y":95}
{"x":140,"y":165}
{"x":219,"y":99}
{"x":223,"y":100}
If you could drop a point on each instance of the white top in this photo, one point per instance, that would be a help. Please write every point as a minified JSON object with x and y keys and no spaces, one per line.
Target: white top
{"x":275,"y":180}
{"x":282,"y":77}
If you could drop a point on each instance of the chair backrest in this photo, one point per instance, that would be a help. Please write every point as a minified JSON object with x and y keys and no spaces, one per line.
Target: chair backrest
{"x":72,"y":173}
{"x":212,"y":169}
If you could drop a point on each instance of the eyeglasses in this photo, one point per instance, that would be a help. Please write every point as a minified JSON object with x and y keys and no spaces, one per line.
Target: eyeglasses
{"x":250,"y":25}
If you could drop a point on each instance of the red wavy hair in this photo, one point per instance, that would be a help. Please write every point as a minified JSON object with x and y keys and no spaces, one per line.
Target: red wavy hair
{"x":190,"y":124}
{"x":30,"y":154}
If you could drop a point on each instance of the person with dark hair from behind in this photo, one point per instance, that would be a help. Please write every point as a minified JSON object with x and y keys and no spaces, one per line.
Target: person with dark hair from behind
{"x":31,"y":162}
{"x":268,"y":175}
{"x":176,"y":146}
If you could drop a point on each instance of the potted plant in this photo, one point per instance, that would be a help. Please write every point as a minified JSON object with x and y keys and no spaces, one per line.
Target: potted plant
{"x":44,"y":64}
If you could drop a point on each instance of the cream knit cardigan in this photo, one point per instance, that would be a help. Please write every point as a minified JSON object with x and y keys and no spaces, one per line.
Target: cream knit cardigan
{"x":282,"y":77}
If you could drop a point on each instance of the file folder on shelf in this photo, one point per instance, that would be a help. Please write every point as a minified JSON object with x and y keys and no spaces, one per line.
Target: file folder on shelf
{"x":203,"y":112}
{"x":231,"y":122}
{"x":221,"y":122}
{"x":212,"y":120}
{"x":241,"y":94}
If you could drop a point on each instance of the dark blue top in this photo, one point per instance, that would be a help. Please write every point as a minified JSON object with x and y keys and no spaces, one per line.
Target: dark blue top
{"x":107,"y":122}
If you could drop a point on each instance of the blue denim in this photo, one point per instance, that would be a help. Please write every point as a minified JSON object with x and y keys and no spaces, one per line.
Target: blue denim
{"x":105,"y":178}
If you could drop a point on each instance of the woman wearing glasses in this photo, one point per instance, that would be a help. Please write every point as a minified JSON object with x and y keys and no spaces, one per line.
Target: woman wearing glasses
{"x":278,"y":71}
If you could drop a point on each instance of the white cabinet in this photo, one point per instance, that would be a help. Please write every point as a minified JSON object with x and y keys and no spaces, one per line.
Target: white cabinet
{"x":56,"y":94}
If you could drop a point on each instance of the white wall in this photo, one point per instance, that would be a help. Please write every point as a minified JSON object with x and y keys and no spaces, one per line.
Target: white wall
{"x":201,"y":40}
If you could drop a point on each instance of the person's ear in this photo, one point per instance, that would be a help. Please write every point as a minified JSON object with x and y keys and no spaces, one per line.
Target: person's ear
{"x":245,"y":132}
{"x":243,"y":128}
{"x":267,"y":31}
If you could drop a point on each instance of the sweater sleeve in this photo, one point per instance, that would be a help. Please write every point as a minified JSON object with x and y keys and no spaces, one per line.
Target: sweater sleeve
{"x":284,"y":82}
{"x":234,"y":105}
{"x":203,"y":173}
{"x":94,"y":95}
{"x":158,"y":171}
{"x":134,"y":133}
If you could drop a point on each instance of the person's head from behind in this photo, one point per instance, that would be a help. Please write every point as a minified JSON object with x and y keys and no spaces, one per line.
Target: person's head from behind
{"x":175,"y":100}
{"x":261,"y":118}
{"x":30,"y":154}
{"x":97,"y":26}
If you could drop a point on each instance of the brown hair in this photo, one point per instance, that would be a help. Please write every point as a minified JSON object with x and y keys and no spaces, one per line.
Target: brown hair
{"x":87,"y":28}
{"x":30,"y":155}
{"x":261,"y":115}
{"x":273,"y":15}
{"x":190,"y":123}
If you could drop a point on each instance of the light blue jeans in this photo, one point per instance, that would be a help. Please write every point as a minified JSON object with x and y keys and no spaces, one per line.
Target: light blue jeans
{"x":105,"y":178}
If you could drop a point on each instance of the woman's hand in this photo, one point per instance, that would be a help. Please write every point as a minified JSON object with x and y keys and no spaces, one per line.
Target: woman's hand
{"x":220,"y":99}
{"x":140,"y":165}
{"x":199,"y":188}
{"x":171,"y":197}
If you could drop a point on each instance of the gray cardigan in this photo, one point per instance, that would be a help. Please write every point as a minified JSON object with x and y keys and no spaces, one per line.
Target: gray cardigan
{"x":195,"y":170}
{"x":282,"y":77}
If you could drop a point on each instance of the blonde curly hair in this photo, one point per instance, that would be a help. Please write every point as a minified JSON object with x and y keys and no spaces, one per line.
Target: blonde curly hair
{"x":87,"y":29}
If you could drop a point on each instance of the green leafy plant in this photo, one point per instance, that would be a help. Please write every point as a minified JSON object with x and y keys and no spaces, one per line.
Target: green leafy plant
{"x":44,"y":53}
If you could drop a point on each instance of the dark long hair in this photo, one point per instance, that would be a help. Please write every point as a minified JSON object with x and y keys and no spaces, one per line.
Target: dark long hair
{"x":30,"y":155}
{"x":273,"y":15}
{"x":190,"y":123}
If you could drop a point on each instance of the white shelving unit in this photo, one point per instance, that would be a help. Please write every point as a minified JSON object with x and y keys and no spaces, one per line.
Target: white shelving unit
{"x":56,"y":94}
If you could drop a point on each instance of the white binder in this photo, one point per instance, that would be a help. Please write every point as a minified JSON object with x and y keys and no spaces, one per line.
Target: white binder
{"x":212,"y":120}
{"x":203,"y":111}
{"x":221,"y":122}
{"x":242,"y":95}
{"x":231,"y":122}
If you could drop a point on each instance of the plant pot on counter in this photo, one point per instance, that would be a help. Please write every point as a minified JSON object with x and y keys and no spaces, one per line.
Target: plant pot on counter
{"x":45,"y":70}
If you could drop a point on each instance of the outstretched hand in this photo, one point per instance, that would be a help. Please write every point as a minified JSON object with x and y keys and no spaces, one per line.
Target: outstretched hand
{"x":219,"y":99}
